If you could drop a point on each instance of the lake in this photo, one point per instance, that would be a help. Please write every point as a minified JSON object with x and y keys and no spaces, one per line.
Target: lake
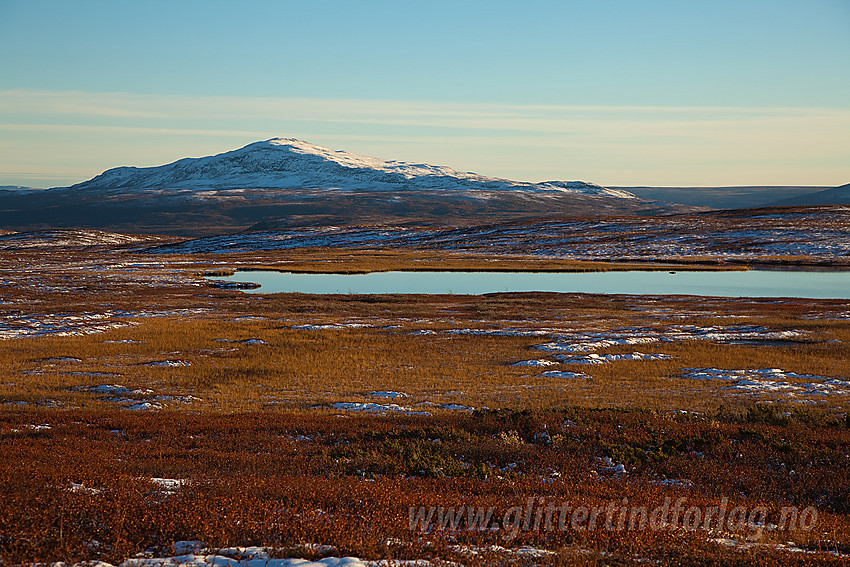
{"x":751,"y":283}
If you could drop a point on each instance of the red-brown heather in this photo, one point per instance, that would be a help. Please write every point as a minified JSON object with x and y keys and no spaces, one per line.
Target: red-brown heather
{"x":285,"y":479}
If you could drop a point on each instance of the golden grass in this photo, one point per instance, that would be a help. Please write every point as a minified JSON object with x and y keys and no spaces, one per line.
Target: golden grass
{"x":301,"y":367}
{"x":361,"y":261}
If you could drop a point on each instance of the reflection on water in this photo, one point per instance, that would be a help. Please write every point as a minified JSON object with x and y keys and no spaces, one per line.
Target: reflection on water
{"x":754,"y":283}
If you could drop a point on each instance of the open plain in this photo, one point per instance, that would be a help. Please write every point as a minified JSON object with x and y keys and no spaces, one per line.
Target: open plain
{"x":150,"y":413}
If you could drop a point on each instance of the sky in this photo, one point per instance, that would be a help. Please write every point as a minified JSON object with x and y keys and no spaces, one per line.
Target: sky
{"x":615,"y":92}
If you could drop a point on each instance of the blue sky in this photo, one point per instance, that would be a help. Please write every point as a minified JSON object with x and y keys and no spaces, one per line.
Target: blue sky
{"x":619,"y":93}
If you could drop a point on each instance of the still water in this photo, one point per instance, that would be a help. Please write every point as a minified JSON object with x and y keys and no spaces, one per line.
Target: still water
{"x":753,"y":283}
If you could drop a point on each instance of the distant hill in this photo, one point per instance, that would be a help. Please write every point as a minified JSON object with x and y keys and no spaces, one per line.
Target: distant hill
{"x":745,"y":197}
{"x":19,"y":188}
{"x":777,"y":235}
{"x":286,"y":163}
{"x":834,"y":196}
{"x":287,"y":182}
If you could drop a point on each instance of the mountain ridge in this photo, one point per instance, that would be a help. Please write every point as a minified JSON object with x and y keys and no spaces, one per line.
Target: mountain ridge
{"x":288,"y":163}
{"x":283,"y":182}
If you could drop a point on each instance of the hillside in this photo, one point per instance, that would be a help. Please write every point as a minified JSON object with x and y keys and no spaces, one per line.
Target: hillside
{"x":834,"y":196}
{"x":744,"y":197}
{"x":286,"y":182}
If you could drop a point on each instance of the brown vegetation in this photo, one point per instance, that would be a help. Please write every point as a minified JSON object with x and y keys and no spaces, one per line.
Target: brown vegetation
{"x":247,"y":418}
{"x":70,"y":479}
{"x":324,"y":261}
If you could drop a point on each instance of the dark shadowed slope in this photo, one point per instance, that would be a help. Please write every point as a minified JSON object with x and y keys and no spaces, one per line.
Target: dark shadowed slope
{"x":834,"y":196}
{"x":724,"y":197}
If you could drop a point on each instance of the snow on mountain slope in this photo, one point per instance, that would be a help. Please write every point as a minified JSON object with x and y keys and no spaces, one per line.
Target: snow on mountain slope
{"x":285,"y":163}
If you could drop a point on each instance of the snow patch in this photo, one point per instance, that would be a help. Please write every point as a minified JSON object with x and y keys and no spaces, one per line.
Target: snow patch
{"x":369,"y":407}
{"x":259,"y":557}
{"x":564,"y":374}
{"x":143,"y":406}
{"x":459,"y":407}
{"x":606,"y":358}
{"x":169,"y":484}
{"x":330,"y":326}
{"x":772,"y":380}
{"x":390,"y":394}
{"x":169,"y":363}
{"x":540,"y":362}
{"x":593,"y":341}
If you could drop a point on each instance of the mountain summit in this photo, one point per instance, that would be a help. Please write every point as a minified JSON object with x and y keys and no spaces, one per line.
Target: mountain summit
{"x":287,"y":163}
{"x":290,"y":183}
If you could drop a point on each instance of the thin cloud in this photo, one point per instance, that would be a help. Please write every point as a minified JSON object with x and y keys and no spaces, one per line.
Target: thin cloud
{"x":616,"y":145}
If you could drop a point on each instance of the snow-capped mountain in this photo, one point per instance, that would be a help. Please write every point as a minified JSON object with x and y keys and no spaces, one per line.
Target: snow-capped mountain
{"x":289,"y":183}
{"x":285,"y":163}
